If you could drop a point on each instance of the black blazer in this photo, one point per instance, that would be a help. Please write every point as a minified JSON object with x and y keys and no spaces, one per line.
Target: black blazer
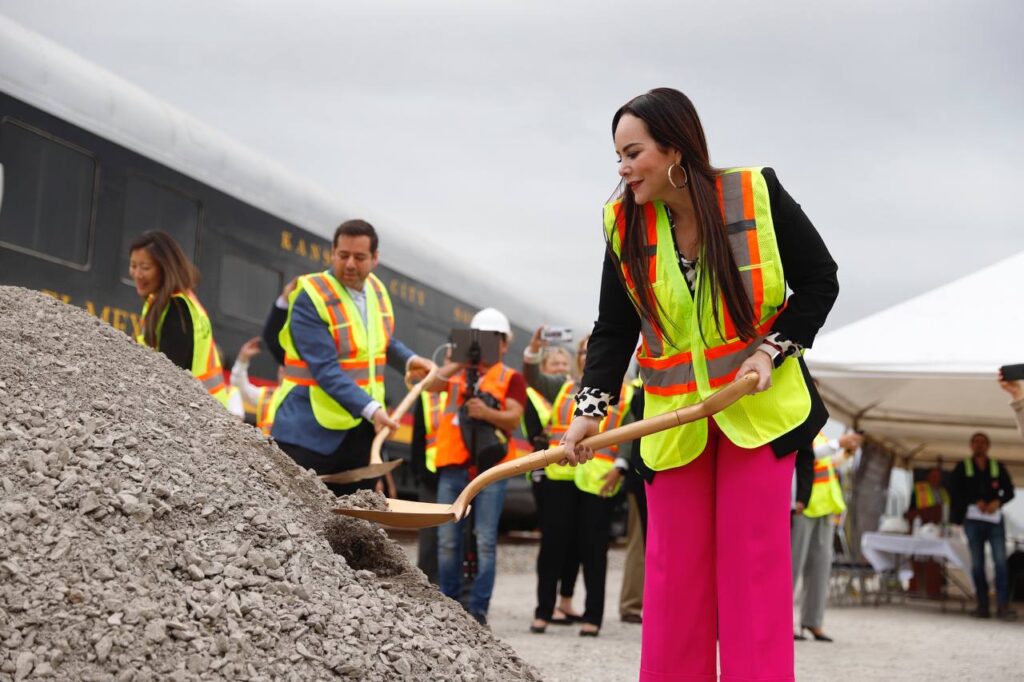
{"x":810,"y":274}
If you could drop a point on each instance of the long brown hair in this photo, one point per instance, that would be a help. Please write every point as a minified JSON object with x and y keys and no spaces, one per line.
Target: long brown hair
{"x":673,"y":123}
{"x":177,"y":274}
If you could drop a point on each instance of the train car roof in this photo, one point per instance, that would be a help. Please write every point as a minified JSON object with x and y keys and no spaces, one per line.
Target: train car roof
{"x":50,"y":77}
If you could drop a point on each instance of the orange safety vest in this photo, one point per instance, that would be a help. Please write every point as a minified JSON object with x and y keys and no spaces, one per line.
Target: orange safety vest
{"x":925,"y":495}
{"x":264,"y":417}
{"x":451,"y":451}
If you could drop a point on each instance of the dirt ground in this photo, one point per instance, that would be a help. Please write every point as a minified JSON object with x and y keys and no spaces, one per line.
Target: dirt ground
{"x":898,"y":642}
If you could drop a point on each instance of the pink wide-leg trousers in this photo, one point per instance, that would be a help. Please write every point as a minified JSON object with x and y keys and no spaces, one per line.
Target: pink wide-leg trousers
{"x":718,"y":564}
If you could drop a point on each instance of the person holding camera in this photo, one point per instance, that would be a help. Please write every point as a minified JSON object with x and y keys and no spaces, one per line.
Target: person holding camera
{"x":699,"y":262}
{"x":337,"y":337}
{"x":484,"y":406}
{"x":1015,"y":388}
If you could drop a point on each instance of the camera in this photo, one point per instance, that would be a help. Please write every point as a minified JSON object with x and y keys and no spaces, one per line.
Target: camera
{"x":556,"y":335}
{"x":1012,"y":372}
{"x":475,"y":346}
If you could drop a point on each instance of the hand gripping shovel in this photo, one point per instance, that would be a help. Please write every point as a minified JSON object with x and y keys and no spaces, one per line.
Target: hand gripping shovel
{"x":377,"y":468}
{"x":405,"y":514}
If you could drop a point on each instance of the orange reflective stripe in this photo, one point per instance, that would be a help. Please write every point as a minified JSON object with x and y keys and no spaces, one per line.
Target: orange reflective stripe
{"x":386,"y":312}
{"x":756,"y":275}
{"x":666,"y":362}
{"x":651,"y":218}
{"x":322,"y":288}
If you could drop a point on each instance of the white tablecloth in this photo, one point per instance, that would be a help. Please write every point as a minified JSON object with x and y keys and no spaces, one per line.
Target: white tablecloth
{"x":882,"y":550}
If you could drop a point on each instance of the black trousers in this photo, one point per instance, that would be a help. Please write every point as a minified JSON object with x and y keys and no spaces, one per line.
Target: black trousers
{"x":571,"y":567}
{"x":354,"y":452}
{"x":595,"y":526}
{"x":572,"y":523}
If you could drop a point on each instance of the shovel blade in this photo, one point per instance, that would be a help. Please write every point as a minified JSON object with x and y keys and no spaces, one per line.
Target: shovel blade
{"x":404,"y":514}
{"x":365,"y":473}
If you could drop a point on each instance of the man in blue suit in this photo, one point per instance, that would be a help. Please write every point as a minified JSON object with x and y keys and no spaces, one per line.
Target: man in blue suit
{"x":337,"y":339}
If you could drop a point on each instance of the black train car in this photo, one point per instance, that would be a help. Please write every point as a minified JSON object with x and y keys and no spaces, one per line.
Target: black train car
{"x":88,"y":162}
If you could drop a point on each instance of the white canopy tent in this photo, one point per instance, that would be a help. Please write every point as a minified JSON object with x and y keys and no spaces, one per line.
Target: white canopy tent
{"x":921,"y":376}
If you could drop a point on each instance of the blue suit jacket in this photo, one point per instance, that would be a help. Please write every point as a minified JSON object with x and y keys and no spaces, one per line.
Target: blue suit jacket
{"x":294,"y":421}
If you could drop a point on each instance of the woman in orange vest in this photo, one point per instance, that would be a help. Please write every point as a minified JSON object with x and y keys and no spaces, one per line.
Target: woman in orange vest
{"x":700,"y":262}
{"x":173,"y":320}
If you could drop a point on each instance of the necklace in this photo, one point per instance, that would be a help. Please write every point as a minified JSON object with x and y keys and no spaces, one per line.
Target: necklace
{"x":675,"y":243}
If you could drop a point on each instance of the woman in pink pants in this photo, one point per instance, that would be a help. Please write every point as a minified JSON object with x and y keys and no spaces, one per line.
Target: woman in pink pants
{"x":699,"y":263}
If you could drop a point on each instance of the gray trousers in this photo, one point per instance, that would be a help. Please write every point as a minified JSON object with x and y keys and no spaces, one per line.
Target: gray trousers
{"x":812,"y":558}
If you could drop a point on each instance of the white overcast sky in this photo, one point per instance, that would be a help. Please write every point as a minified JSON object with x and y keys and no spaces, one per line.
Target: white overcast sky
{"x":899,"y":126}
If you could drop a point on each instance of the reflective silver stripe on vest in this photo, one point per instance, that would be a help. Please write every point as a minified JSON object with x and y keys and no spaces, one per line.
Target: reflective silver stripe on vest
{"x":301,"y":373}
{"x":732,"y":197}
{"x":214,"y":382}
{"x":727,"y":364}
{"x":654,"y":344}
{"x":677,"y":375}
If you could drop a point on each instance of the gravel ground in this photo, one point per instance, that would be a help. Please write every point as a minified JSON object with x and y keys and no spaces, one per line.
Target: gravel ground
{"x":146,"y":534}
{"x":899,"y":642}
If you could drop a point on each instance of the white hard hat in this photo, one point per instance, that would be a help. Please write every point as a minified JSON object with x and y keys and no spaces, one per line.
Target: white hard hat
{"x":491,"y":320}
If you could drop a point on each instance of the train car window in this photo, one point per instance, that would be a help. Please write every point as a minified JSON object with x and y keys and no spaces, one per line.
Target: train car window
{"x":247,"y":289}
{"x":150,"y":206}
{"x":49,"y":187}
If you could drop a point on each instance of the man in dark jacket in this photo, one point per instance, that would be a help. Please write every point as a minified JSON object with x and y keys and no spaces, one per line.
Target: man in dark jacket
{"x":980,"y":487}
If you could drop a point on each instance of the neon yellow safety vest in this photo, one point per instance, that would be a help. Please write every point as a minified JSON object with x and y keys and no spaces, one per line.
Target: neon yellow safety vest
{"x":264,"y":415}
{"x":561,"y":415}
{"x":826,"y":493}
{"x":993,"y":468}
{"x":588,"y":477}
{"x":205,"y":361}
{"x":433,"y":409}
{"x":540,"y":405}
{"x":362,"y":347}
{"x":691,"y":366}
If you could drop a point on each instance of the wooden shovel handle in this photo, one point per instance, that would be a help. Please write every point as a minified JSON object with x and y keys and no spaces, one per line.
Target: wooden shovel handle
{"x":403,"y":407}
{"x":645,"y":427}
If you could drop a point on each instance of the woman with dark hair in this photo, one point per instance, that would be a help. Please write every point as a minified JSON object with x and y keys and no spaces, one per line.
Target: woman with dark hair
{"x":174,"y":322}
{"x":698,"y":263}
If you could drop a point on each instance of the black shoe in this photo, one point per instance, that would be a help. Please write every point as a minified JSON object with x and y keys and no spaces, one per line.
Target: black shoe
{"x":480,"y":618}
{"x":799,"y":637}
{"x":818,"y":636}
{"x":635,"y":618}
{"x":1006,"y":613}
{"x":539,"y":629}
{"x":566,"y":619}
{"x":590,"y":633}
{"x":980,"y":613}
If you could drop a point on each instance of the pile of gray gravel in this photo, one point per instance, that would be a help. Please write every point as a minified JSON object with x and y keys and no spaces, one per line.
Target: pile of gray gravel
{"x":145,"y":534}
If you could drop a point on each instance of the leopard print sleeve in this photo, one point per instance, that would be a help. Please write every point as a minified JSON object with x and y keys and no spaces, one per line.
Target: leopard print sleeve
{"x":593,"y":402}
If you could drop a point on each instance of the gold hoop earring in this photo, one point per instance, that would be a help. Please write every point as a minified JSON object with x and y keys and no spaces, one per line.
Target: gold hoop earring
{"x":686,"y":178}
